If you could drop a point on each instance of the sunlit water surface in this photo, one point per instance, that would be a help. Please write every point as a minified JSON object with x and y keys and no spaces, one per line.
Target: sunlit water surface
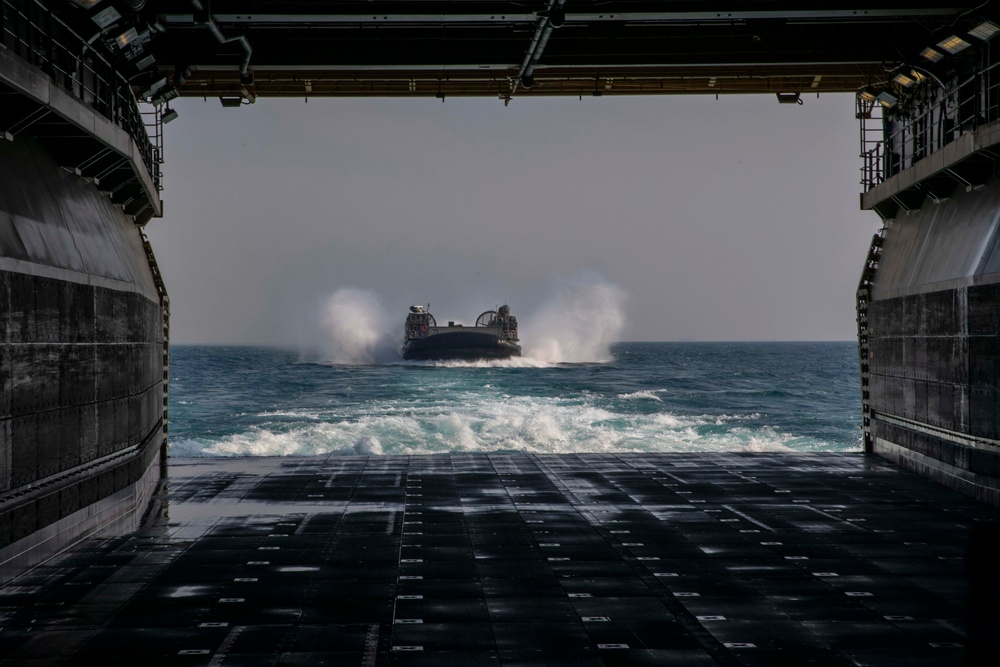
{"x":649,"y":397}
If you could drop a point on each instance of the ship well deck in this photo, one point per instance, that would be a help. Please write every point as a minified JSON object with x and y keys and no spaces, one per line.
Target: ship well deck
{"x":518,"y":559}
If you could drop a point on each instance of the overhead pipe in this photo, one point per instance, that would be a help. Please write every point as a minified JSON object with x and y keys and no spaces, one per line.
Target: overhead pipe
{"x":552,"y":18}
{"x":213,"y":27}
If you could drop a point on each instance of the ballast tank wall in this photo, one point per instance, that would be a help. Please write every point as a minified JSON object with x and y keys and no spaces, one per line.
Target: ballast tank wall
{"x":934,"y":341}
{"x":81,"y":361}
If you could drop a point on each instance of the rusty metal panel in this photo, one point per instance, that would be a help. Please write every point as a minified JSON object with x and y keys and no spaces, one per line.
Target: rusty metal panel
{"x":105,"y":372}
{"x":24,"y":450}
{"x":77,"y":313}
{"x":940,"y":313}
{"x":5,"y":381}
{"x":5,"y":527}
{"x":112,"y":426}
{"x":984,"y":364}
{"x":34,"y":378}
{"x":47,"y":312}
{"x":984,"y":412}
{"x":110,"y":323}
{"x":984,"y":310}
{"x":6,"y":453}
{"x":920,"y":400}
{"x":22,"y":308}
{"x":77,"y":379}
{"x":68,"y":423}
{"x":49,"y":432}
{"x":4,"y":307}
{"x":88,"y":433}
{"x":135,"y":433}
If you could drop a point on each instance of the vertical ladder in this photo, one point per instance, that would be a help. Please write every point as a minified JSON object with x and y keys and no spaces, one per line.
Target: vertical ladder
{"x":864,"y":294}
{"x":161,"y":290}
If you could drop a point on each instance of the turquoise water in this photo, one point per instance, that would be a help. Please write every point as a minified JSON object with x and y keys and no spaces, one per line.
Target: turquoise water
{"x":663,"y":397}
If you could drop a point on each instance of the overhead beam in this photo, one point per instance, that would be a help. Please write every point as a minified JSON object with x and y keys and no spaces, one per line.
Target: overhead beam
{"x":548,"y":81}
{"x":494,"y":17}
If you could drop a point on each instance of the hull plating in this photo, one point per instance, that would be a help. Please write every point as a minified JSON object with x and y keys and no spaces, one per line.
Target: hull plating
{"x":81,"y":362}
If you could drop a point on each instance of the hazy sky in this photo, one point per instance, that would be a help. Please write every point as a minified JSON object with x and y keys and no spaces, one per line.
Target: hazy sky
{"x":728,"y":219}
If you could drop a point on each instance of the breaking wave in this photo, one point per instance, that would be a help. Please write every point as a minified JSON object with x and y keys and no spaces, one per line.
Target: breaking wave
{"x":545,"y":426}
{"x":648,"y":395}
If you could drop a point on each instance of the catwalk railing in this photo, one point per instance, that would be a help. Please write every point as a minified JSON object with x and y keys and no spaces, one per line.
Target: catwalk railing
{"x":29,"y":30}
{"x":892,"y":140}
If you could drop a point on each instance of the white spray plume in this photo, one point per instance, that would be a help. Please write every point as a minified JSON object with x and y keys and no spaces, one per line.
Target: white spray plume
{"x":579,"y":324}
{"x":355,"y":328}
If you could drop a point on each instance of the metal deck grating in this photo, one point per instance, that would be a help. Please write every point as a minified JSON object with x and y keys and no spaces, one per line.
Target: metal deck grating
{"x":517,"y":559}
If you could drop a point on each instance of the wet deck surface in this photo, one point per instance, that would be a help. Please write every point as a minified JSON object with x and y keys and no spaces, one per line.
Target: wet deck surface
{"x":516,"y":560}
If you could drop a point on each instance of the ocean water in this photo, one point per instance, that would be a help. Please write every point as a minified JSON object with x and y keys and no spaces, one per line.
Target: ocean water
{"x":647,"y":397}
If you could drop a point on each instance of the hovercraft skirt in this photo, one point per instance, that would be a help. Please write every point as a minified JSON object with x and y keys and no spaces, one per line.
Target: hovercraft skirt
{"x":464,"y":345}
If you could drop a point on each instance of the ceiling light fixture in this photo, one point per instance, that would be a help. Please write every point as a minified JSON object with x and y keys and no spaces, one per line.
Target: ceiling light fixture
{"x":127,"y":37}
{"x":868,"y":94}
{"x":789,"y":98}
{"x":887,"y":99}
{"x":165,"y":96}
{"x":932,"y":55}
{"x":985,"y":30}
{"x":954,"y":44}
{"x":106,"y":17}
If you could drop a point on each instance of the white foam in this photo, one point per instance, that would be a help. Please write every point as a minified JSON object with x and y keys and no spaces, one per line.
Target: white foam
{"x":648,"y":395}
{"x":450,"y":419}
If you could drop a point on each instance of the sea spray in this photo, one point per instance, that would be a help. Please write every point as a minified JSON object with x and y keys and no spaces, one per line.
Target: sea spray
{"x":579,"y":324}
{"x":356,"y":329}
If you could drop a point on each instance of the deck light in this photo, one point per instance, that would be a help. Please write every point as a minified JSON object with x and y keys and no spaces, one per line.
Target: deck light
{"x":868,"y":94}
{"x":904,"y":80}
{"x":165,"y":96}
{"x":954,"y":44}
{"x":231,"y":102}
{"x":168,"y":115}
{"x":887,"y":99}
{"x":145,"y":62}
{"x":86,"y":4}
{"x":153,"y":88}
{"x":789,"y":98}
{"x":985,"y":30}
{"x":106,"y":17}
{"x":932,"y":55}
{"x":127,"y":37}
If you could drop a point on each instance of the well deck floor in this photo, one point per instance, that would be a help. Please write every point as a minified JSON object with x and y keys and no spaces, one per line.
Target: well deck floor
{"x":516,"y":560}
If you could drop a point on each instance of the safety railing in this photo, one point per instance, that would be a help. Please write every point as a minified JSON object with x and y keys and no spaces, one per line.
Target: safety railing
{"x":152,"y":119}
{"x":893,"y":140}
{"x":34,"y":34}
